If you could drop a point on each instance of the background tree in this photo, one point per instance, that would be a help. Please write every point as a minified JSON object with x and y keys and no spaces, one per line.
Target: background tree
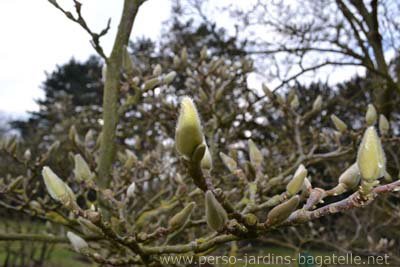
{"x":308,"y":36}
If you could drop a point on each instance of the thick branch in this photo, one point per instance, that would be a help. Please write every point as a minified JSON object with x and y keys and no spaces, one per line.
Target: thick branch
{"x":110,"y":99}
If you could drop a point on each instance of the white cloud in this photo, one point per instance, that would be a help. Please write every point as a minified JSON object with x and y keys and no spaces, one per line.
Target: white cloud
{"x":36,"y":37}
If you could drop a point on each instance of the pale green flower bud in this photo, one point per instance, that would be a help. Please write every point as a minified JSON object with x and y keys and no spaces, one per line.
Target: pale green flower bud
{"x":206,"y":162}
{"x":130,"y":192}
{"x":157,"y":70}
{"x":82,"y":171}
{"x":339,"y":124}
{"x":184,"y":55}
{"x":383,"y":125}
{"x":216,"y":215}
{"x":169,"y":77}
{"x":350,"y":177}
{"x":89,"y":227}
{"x":77,"y":242}
{"x":317,"y":105}
{"x":294,"y":186}
{"x":267,"y":92}
{"x":371,"y":115}
{"x":188,"y":133}
{"x":281,"y":212}
{"x":294,"y":103}
{"x":182,"y":217}
{"x":229,"y":162}
{"x":203,"y":53}
{"x":57,"y":189}
{"x":371,"y":158}
{"x":130,"y":159}
{"x":151,"y":84}
{"x":255,"y":154}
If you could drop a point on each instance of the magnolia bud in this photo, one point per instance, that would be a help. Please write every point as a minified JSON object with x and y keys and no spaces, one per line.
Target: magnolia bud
{"x":267,"y":92}
{"x":383,"y":125}
{"x":27,"y":154}
{"x":203,"y":53}
{"x":130,"y":192}
{"x":294,"y":103}
{"x":215,"y":214}
{"x":255,"y":154}
{"x":188,"y":133}
{"x":150,"y":84}
{"x":229,"y":162}
{"x":371,"y":116}
{"x":317,"y":105}
{"x":57,"y":189}
{"x":169,"y":77}
{"x":250,"y":219}
{"x":350,"y":177}
{"x":82,"y":171}
{"x":370,"y":157}
{"x":206,"y":162}
{"x":184,"y":55}
{"x":89,"y":227}
{"x":339,"y":124}
{"x":294,"y":186}
{"x":281,"y":212}
{"x":157,"y":70}
{"x":176,"y":61}
{"x":78,"y":243}
{"x":181,"y":217}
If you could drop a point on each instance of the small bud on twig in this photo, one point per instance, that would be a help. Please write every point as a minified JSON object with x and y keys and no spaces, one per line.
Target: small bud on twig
{"x":57,"y":189}
{"x":281,"y":212}
{"x":181,"y":217}
{"x":77,"y":242}
{"x":339,"y":124}
{"x":383,"y":125}
{"x":255,"y":154}
{"x":371,"y":116}
{"x":294,"y":186}
{"x":82,"y":171}
{"x":229,"y":162}
{"x":350,"y":177}
{"x":317,"y":105}
{"x":371,"y":157}
{"x":215,"y":214}
{"x":188,"y":133}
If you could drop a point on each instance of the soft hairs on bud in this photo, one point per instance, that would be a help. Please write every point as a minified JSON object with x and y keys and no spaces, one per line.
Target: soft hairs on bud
{"x":350,"y":177}
{"x":370,"y":157}
{"x":188,"y":133}
{"x":383,"y":125}
{"x":229,"y":162}
{"x":371,"y":115}
{"x":255,"y":154}
{"x":281,"y":212}
{"x":57,"y":189}
{"x":339,"y":124}
{"x":82,"y":171}
{"x":206,"y":162}
{"x":215,"y":214}
{"x":295,"y":184}
{"x":181,"y":217}
{"x":78,"y":243}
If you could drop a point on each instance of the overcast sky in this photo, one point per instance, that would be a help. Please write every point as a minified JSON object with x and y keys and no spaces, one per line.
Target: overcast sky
{"x":36,"y":37}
